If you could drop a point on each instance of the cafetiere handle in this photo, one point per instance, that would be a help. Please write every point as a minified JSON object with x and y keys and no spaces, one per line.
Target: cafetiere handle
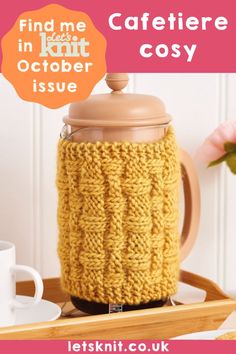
{"x":192,"y":204}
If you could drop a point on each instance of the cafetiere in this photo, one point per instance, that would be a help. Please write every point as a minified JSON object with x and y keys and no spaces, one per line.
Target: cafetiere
{"x":119,"y":172}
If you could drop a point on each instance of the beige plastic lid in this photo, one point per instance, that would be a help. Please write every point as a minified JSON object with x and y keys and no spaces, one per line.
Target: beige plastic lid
{"x":117,"y":108}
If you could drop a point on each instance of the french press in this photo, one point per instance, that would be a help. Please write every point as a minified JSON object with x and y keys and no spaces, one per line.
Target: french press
{"x":118,"y":179}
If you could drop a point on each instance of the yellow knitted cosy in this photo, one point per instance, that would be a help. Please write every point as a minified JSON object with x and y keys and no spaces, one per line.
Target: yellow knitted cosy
{"x":118,"y":220}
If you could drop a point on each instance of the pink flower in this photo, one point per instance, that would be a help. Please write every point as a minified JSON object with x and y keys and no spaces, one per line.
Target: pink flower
{"x":213,"y":147}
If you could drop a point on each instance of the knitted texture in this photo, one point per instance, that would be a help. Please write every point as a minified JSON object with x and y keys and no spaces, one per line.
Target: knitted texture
{"x":118,"y":220}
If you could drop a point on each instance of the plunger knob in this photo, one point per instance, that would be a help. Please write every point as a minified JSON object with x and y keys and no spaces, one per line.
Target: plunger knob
{"x":117,"y":82}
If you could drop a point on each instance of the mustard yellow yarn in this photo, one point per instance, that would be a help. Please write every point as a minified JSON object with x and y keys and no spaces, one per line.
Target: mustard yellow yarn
{"x":118,"y":220}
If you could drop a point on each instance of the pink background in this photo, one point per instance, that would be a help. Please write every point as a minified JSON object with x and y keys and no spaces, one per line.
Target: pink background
{"x":175,"y":347}
{"x":216,"y":50}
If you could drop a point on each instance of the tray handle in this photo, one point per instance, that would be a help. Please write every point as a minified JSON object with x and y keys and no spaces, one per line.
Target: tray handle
{"x":213,"y":291}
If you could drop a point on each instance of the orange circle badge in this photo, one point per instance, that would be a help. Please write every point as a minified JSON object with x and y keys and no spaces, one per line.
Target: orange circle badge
{"x":53,"y":56}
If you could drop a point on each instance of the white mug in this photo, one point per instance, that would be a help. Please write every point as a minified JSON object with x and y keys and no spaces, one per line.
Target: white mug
{"x":8,"y":268}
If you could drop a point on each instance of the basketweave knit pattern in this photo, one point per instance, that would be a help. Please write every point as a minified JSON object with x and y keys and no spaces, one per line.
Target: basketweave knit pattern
{"x":118,"y":220}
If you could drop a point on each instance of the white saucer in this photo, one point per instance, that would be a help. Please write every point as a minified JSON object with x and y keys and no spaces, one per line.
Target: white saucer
{"x":207,"y":335}
{"x":42,"y":312}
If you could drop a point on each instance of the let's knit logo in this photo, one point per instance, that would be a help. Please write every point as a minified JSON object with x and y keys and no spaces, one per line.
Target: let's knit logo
{"x":53,"y":56}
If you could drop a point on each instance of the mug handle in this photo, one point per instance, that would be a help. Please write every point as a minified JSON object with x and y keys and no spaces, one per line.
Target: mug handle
{"x":38,"y":286}
{"x":192,"y":204}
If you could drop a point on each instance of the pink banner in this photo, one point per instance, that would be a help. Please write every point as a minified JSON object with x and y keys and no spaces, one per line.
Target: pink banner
{"x":154,"y":35}
{"x":118,"y":346}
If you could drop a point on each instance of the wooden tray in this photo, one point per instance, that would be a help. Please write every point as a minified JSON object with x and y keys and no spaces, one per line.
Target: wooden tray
{"x":156,"y":323}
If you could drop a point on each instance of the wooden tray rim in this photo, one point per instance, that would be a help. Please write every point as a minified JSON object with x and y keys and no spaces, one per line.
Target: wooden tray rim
{"x":216,"y":300}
